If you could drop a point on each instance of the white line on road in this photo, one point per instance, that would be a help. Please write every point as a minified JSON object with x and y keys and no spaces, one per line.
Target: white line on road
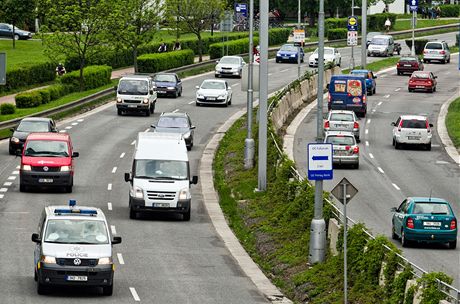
{"x":62,"y":131}
{"x":133,"y":143}
{"x":236,"y":84}
{"x":80,"y":120}
{"x":193,"y":101}
{"x":285,"y":70}
{"x":438,"y":162}
{"x":448,"y":72}
{"x":373,"y":111}
{"x":396,"y":186}
{"x":146,"y":130}
{"x":435,"y":145}
{"x":269,"y":74}
{"x":15,"y":172}
{"x":109,"y":205}
{"x":384,"y":75}
{"x":120,"y":259}
{"x":114,"y":169}
{"x":398,"y":89}
{"x":134,"y":293}
{"x":109,"y":187}
{"x":379,"y":103}
{"x":369,"y":121}
{"x":18,"y":167}
{"x":366,"y":131}
{"x":386,"y":96}
{"x":112,"y":228}
{"x":68,"y":127}
{"x":1,"y":195}
{"x":7,"y":184}
{"x":371,"y":155}
{"x":122,"y":155}
{"x":74,"y":123}
{"x":367,"y":143}
{"x":11,"y":177}
{"x":381,"y":170}
{"x":175,"y":111}
{"x":3,"y":189}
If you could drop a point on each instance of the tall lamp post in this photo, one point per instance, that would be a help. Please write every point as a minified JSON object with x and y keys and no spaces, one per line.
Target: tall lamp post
{"x":249,"y":141}
{"x":298,"y":48}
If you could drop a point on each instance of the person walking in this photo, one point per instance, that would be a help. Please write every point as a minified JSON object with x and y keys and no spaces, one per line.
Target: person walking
{"x":387,"y":25}
{"x":177,"y":46}
{"x":162,"y":48}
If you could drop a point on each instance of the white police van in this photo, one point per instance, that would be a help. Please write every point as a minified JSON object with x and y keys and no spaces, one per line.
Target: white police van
{"x":73,"y":248}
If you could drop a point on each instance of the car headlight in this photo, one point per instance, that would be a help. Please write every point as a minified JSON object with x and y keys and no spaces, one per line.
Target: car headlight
{"x":293,"y":55}
{"x":105,"y":261}
{"x":221,"y":96}
{"x":146,"y":100}
{"x":278,"y":54}
{"x":187,"y":134}
{"x":48,"y":259}
{"x":154,"y":87}
{"x":171,"y":88}
{"x":198,"y":95}
{"x":15,"y":139}
{"x":184,"y":194}
{"x":65,"y":168}
{"x":119,"y":99}
{"x":26,"y":168}
{"x":137,"y":193}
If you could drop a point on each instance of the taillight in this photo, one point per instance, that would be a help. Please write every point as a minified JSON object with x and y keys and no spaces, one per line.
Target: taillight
{"x":428,"y":129}
{"x":356,"y":150}
{"x":348,"y":94}
{"x":425,"y":52}
{"x":356,"y":125}
{"x":329,"y":97}
{"x":453,"y":224}
{"x":364,"y":98}
{"x":398,"y":64}
{"x":410,"y":223}
{"x":416,"y":65}
{"x":399,"y":127}
{"x":442,"y":52}
{"x":326,"y":124}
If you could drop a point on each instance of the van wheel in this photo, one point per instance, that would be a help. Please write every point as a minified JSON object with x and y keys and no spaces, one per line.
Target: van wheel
{"x":119,"y":112}
{"x":132,"y":213}
{"x":107,"y":290}
{"x":428,"y":147}
{"x":453,"y":244}
{"x":186,"y":216}
{"x":148,"y":111}
{"x":42,"y":289}
{"x":22,"y":188}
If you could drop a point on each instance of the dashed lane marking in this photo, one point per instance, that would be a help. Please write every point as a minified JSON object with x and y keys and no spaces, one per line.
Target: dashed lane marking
{"x":435,"y":145}
{"x":74,"y":123}
{"x":396,"y":186}
{"x":3,"y":189}
{"x":1,"y":196}
{"x":120,"y":259}
{"x":15,"y":172}
{"x":441,"y":162}
{"x":112,"y":228}
{"x":366,"y":131}
{"x":133,"y":143}
{"x":11,"y":177}
{"x":146,"y":130}
{"x":367,"y":143}
{"x":62,"y":131}
{"x":236,"y":84}
{"x":175,"y":111}
{"x":134,"y":294}
{"x":7,"y":184}
{"x":285,"y":70}
{"x":373,"y":111}
{"x":386,"y":96}
{"x":122,"y":155}
{"x":269,"y":74}
{"x":68,"y":127}
{"x":114,"y":169}
{"x":193,"y":101}
{"x":398,"y":89}
{"x":371,"y":155}
{"x":381,"y":170}
{"x":80,"y":120}
{"x":379,"y":103}
{"x":109,"y":206}
{"x":369,"y":121}
{"x":109,"y":187}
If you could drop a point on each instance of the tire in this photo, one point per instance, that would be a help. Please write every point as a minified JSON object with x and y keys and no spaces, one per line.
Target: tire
{"x":428,"y":147}
{"x":42,"y":289}
{"x":443,"y":61}
{"x":197,"y":104}
{"x":22,"y":188}
{"x":356,"y":166}
{"x":448,"y":60}
{"x":277,"y":61}
{"x":176,"y":94}
{"x":16,"y":37}
{"x":230,"y":102}
{"x":434,"y":89}
{"x":35,"y":276}
{"x":180,"y":92}
{"x":399,"y":52}
{"x":147,"y":112}
{"x":119,"y":112}
{"x":405,"y":243}
{"x":398,"y":72}
{"x":132,"y":213}
{"x":375,"y":90}
{"x":216,"y":76}
{"x":453,"y":244}
{"x":340,"y":62}
{"x":68,"y":189}
{"x":11,"y":151}
{"x":107,"y":290}
{"x":410,"y":90}
{"x":393,"y":143}
{"x":394,"y":236}
{"x":186,"y":215}
{"x":397,"y":145}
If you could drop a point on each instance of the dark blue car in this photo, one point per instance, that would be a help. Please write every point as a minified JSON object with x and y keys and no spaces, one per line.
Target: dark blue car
{"x":288,"y":52}
{"x":370,"y":79}
{"x":167,"y":84}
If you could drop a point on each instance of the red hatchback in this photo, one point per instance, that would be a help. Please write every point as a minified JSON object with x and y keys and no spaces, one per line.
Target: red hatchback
{"x":409,"y":64}
{"x":422,"y":80}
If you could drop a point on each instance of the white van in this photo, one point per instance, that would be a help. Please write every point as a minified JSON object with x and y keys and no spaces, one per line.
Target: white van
{"x":381,"y":45}
{"x":159,"y":180}
{"x":136,"y":93}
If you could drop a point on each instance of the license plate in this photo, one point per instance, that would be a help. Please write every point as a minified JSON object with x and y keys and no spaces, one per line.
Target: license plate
{"x":407,"y":65}
{"x":432,"y":224}
{"x":77,"y":278}
{"x":161,"y":92}
{"x":340,"y":126}
{"x":211,"y":98}
{"x":338,"y":101}
{"x":132,"y":106}
{"x":413,"y":137}
{"x":45,"y":180}
{"x":419,"y":87}
{"x":161,"y":205}
{"x":338,"y":152}
{"x":285,"y":57}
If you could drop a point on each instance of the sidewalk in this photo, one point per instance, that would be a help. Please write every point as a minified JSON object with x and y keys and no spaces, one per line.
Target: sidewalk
{"x":115,"y":74}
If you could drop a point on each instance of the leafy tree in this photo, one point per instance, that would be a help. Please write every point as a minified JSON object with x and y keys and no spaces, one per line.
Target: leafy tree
{"x":194,"y":16}
{"x":133,"y":23}
{"x":76,"y":29}
{"x":15,"y":12}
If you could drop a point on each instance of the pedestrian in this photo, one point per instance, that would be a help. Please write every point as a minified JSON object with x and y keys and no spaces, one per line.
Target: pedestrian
{"x":162,"y":48}
{"x":423,"y":11}
{"x":177,"y":46}
{"x":438,"y":11}
{"x":387,"y":25}
{"x":60,"y":69}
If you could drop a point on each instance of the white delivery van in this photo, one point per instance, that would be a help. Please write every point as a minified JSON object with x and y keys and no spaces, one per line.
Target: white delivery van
{"x":135,"y":93}
{"x":159,"y":180}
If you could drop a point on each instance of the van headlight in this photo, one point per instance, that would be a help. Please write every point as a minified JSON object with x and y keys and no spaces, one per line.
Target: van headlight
{"x":65,"y":168}
{"x":146,"y":100}
{"x":26,"y":168}
{"x":137,"y":193}
{"x":187,"y":135}
{"x":105,"y":261}
{"x":119,"y":100}
{"x":15,"y":139}
{"x":184,"y":194}
{"x":48,"y":259}
{"x":223,"y":96}
{"x":171,"y":88}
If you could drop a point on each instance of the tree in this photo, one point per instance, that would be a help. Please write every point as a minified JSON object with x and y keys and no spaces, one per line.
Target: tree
{"x":77,"y":28}
{"x":194,"y":16}
{"x":15,"y":12}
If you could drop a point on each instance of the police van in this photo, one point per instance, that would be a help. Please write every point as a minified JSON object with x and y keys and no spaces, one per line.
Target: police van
{"x":73,"y":248}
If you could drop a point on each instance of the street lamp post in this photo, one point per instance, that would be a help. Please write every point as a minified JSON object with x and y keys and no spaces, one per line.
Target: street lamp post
{"x":364,"y":34}
{"x":249,"y":141}
{"x":298,"y":48}
{"x":352,"y":61}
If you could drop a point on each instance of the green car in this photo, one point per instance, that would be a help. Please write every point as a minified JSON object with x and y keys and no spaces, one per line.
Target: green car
{"x":424,"y":219}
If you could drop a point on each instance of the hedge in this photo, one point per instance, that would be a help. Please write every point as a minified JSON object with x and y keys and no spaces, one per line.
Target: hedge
{"x":152,"y":63}
{"x":93,"y":77}
{"x":450,"y":10}
{"x":29,"y":99}
{"x":376,"y":22}
{"x":28,"y":74}
{"x":419,"y":45}
{"x":7,"y":108}
{"x":339,"y":33}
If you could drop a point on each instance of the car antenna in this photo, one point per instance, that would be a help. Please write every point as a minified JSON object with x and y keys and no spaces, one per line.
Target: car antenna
{"x":431,"y":191}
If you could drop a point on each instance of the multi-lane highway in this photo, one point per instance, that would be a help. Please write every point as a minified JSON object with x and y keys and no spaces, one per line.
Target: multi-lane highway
{"x":161,"y":258}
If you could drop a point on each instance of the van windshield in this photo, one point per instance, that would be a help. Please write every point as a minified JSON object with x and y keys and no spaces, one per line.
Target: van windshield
{"x":133,"y":87}
{"x":379,"y":41}
{"x":161,"y":169}
{"x":76,"y":231}
{"x":48,"y":148}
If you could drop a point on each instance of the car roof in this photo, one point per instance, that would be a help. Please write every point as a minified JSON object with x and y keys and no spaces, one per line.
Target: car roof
{"x":173,"y":114}
{"x":409,"y":116}
{"x":427,"y":199}
{"x":214,"y":80}
{"x":67,"y":212}
{"x":48,"y":136}
{"x":360,"y":71}
{"x":136,"y":77}
{"x":45,"y":119}
{"x":421,"y":72}
{"x":341,"y":111}
{"x":335,"y":133}
{"x":382,"y":36}
{"x":347,"y":76}
{"x":172,"y":146}
{"x":164,"y":73}
{"x":232,"y":57}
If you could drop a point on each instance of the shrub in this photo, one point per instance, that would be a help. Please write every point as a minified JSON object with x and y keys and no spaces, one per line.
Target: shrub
{"x":376,"y":22}
{"x":93,"y":77}
{"x":339,"y":33}
{"x":152,"y":63}
{"x":45,"y":95}
{"x":7,"y":108}
{"x":278,"y":36}
{"x":29,"y":99}
{"x":450,"y":10}
{"x":25,"y":75}
{"x":419,"y":45}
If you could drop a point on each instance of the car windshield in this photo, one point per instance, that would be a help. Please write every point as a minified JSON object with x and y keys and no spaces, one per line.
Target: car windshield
{"x":289,"y":48}
{"x":133,"y":87}
{"x":408,"y":59}
{"x":161,"y":169}
{"x":433,"y":46}
{"x":33,"y":126}
{"x":213,"y":85}
{"x":341,"y":117}
{"x":76,"y":231}
{"x":165,"y":78}
{"x":360,"y":74}
{"x":420,"y":75}
{"x":328,"y":52}
{"x":49,"y":148}
{"x":340,"y":140}
{"x":173,"y":122}
{"x":229,"y":60}
{"x":414,"y":124}
{"x":379,"y":41}
{"x":430,"y":208}
{"x":372,"y":34}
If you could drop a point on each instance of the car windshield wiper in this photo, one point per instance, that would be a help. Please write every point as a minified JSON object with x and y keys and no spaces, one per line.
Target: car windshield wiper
{"x":144,"y":176}
{"x":168,"y":178}
{"x":439,"y":213}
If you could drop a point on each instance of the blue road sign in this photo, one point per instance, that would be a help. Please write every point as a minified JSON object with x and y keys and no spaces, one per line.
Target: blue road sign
{"x":319,"y":161}
{"x":413,"y":5}
{"x":241,"y":8}
{"x":352,"y":23}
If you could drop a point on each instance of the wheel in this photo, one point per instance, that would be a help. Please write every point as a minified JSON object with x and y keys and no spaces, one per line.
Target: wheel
{"x":434,"y":89}
{"x":119,"y":112}
{"x":197,"y":104}
{"x":176,"y":94}
{"x":68,"y":189}
{"x":301,"y":60}
{"x":152,"y":108}
{"x":448,"y":60}
{"x":393,"y":144}
{"x":189,"y":148}
{"x":399,"y":73}
{"x":22,"y":188}
{"x":410,"y":90}
{"x":147,"y":112}
{"x":16,"y":37}
{"x":453,"y":244}
{"x":425,"y":61}
{"x":369,"y":93}
{"x":399,"y":52}
{"x":186,"y":216}
{"x":428,"y":147}
{"x":180,"y":92}
{"x":216,"y":75}
{"x":230,"y":101}
{"x":356,"y":166}
{"x":132,"y":213}
{"x":394,"y":236}
{"x":397,"y":145}
{"x":42,"y":289}
{"x":375,"y":90}
{"x":340,"y":62}
{"x":107,"y":290}
{"x":277,"y":61}
{"x":443,"y":61}
{"x":404,"y":241}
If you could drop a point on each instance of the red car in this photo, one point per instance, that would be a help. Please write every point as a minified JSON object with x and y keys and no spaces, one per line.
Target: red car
{"x":409,"y":64}
{"x":422,"y":80}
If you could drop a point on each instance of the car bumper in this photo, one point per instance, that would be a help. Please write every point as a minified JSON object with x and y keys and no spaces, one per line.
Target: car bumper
{"x":138,"y":205}
{"x":434,"y":57}
{"x":405,"y":140}
{"x":339,"y":160}
{"x":355,"y":131}
{"x":407,"y":70}
{"x":164,"y":91}
{"x":377,"y":52}
{"x":350,"y":107}
{"x":33,"y":178}
{"x":284,"y":58}
{"x":227,"y":73}
{"x":133,"y":107}
{"x":434,"y":236}
{"x":420,"y":87}
{"x":207,"y":101}
{"x":58,"y":275}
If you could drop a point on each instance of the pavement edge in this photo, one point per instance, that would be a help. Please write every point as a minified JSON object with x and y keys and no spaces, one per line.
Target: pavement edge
{"x":442,"y":130}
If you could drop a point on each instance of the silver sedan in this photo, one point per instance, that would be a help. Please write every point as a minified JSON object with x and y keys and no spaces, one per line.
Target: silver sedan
{"x":345,"y":148}
{"x":342,"y":120}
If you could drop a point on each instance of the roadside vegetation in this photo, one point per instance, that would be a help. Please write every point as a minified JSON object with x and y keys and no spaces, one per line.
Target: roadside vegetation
{"x":453,"y":122}
{"x":401,"y":25}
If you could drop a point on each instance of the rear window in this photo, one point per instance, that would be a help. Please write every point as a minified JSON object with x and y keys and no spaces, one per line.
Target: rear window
{"x":430,"y":208}
{"x":434,"y":46}
{"x":341,"y":117}
{"x":340,"y":140}
{"x":408,"y":59}
{"x":414,"y":124}
{"x":419,"y":75}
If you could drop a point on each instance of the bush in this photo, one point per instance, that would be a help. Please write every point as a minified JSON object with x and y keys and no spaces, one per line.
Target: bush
{"x":419,"y":45}
{"x":45,"y":95}
{"x":152,"y":63}
{"x":7,"y":108}
{"x":26,"y":75}
{"x":334,"y":34}
{"x":278,"y":36}
{"x":93,"y":77}
{"x":450,"y":10}
{"x":376,"y":22}
{"x":29,"y":99}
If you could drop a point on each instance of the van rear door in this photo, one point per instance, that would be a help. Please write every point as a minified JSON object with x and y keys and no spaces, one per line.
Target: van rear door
{"x":337,"y":94}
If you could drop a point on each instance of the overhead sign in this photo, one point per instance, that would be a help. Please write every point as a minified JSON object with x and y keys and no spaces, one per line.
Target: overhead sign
{"x":352,"y":23}
{"x":319,"y":161}
{"x":352,"y":38}
{"x":350,"y":191}
{"x":241,"y":8}
{"x":2,"y":68}
{"x":299,"y":37}
{"x":413,"y":5}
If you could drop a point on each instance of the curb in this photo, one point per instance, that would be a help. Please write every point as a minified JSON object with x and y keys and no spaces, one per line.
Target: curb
{"x":442,"y":130}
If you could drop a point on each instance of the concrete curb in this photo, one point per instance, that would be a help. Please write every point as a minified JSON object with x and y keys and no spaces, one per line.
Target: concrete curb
{"x":442,"y":130}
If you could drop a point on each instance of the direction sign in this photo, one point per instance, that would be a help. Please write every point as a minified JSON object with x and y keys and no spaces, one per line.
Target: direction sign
{"x":2,"y":68}
{"x":299,"y":37}
{"x":319,"y":161}
{"x":337,"y":192}
{"x":352,"y":23}
{"x":413,"y":5}
{"x":241,"y":8}
{"x":352,"y":38}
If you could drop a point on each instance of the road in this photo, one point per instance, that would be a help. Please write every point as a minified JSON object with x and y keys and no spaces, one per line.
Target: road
{"x":161,"y":259}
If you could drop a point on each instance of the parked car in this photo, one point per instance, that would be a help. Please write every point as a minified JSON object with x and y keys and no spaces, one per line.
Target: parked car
{"x":424,"y":219}
{"x":409,"y":64}
{"x":289,"y":52}
{"x":176,"y":123}
{"x":214,"y":92}
{"x":412,"y":129}
{"x":167,"y":84}
{"x":371,"y":85}
{"x":436,"y":50}
{"x":229,"y":66}
{"x":6,"y":30}
{"x":422,"y":80}
{"x":27,"y":126}
{"x":342,"y":120}
{"x":345,"y":148}
{"x":331,"y":55}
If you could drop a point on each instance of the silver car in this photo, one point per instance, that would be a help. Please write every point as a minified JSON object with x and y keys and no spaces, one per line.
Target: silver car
{"x":342,"y":120}
{"x":345,"y":148}
{"x":213,"y":91}
{"x":436,"y":50}
{"x":230,"y":66}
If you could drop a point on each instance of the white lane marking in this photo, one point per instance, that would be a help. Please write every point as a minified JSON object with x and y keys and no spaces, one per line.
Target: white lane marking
{"x":68,"y":127}
{"x":398,"y":89}
{"x":133,"y":143}
{"x":448,"y":72}
{"x":367,"y":143}
{"x":109,"y":187}
{"x":236,"y":84}
{"x":15,"y":172}
{"x":269,"y":74}
{"x":381,"y":170}
{"x":175,"y":111}
{"x":384,"y":75}
{"x":120,"y":259}
{"x":18,"y":167}
{"x":146,"y":130}
{"x":373,"y":111}
{"x":62,"y":131}
{"x":122,"y":155}
{"x":441,"y":162}
{"x":114,"y":169}
{"x":436,"y":146}
{"x":366,"y":131}
{"x":11,"y":177}
{"x":134,"y":294}
{"x":7,"y":184}
{"x":1,"y":195}
{"x":80,"y":120}
{"x":74,"y":123}
{"x":369,"y":121}
{"x":109,"y":205}
{"x":285,"y":70}
{"x":193,"y":101}
{"x":371,"y":155}
{"x":112,"y":228}
{"x":386,"y":96}
{"x":379,"y":103}
{"x":396,"y":186}
{"x":3,"y":189}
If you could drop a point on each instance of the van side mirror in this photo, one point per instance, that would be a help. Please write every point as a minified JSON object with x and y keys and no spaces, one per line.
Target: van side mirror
{"x":12,"y":129}
{"x":431,"y":125}
{"x":394,"y":209}
{"x":36,"y":238}
{"x":75,"y":154}
{"x":194,"y":180}
{"x":128,"y":177}
{"x":153,"y":126}
{"x":393,"y":124}
{"x":115,"y":88}
{"x":116,"y":240}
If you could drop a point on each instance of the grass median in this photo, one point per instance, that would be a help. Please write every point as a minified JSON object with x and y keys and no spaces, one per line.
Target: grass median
{"x":453,"y":122}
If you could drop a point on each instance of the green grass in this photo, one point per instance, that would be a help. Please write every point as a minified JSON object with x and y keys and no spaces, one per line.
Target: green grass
{"x":401,"y":25}
{"x":377,"y":65}
{"x":26,"y":52}
{"x":453,"y":122}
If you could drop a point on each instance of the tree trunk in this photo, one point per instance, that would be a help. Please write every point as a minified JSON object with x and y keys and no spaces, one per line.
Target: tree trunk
{"x":135,"y":59}
{"x":14,"y":40}
{"x":200,"y":47}
{"x":82,"y":65}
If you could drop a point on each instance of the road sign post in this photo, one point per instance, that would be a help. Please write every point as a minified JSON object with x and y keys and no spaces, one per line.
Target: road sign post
{"x":2,"y":68}
{"x":352,"y":34}
{"x":299,"y":40}
{"x":413,"y":7}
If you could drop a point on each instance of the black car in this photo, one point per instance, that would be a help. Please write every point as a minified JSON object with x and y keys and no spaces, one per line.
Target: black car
{"x":167,"y":84}
{"x":6,"y":30}
{"x":176,"y":123}
{"x":27,"y":126}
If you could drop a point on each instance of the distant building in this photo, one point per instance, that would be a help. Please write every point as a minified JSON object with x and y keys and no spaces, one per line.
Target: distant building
{"x":396,"y":7}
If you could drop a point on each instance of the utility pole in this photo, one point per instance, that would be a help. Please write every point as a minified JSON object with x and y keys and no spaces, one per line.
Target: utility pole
{"x":352,"y":63}
{"x":412,"y":49}
{"x":249,"y":141}
{"x":263,"y":95}
{"x":300,"y":45}
{"x":364,"y":35}
{"x":318,"y":225}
